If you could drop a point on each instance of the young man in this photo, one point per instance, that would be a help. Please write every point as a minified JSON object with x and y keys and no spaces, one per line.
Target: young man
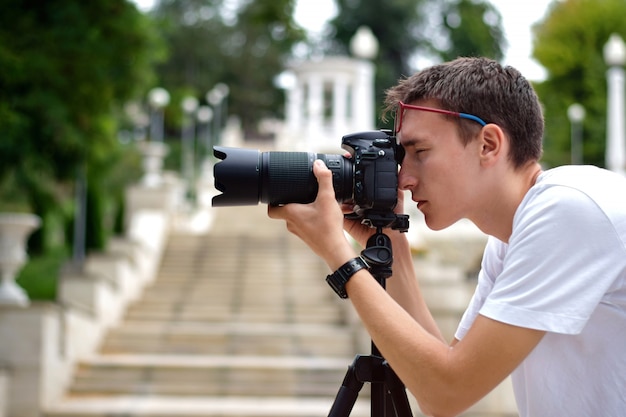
{"x":550,"y":305}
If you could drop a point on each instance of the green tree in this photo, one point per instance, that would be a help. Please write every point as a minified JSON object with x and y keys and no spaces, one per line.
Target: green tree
{"x":245,"y":47}
{"x":474,"y":28}
{"x":66,"y":67}
{"x":195,"y":34}
{"x":407,"y":29}
{"x":395,"y":25}
{"x":569,"y":42}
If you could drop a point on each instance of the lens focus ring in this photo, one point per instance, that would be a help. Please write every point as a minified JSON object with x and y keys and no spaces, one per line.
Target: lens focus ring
{"x":288,"y":178}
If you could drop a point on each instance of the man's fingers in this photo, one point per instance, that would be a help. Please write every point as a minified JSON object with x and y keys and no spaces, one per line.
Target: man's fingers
{"x":325,"y":181}
{"x":324,"y":176}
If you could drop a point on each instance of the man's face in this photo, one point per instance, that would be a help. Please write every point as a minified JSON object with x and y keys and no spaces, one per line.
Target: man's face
{"x":438,"y":169}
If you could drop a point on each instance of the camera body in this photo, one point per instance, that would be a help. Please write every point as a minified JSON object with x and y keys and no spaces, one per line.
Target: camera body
{"x":376,"y":157}
{"x":368,"y":179}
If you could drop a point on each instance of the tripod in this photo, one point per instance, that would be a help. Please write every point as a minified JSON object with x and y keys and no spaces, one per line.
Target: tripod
{"x":388,"y":392}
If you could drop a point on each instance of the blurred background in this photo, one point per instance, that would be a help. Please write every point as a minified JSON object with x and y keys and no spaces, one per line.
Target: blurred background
{"x":108,"y":113}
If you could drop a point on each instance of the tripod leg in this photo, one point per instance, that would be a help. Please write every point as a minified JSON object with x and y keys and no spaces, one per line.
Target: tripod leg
{"x":389,"y":396}
{"x":397,"y":391}
{"x":348,"y":392}
{"x":380,"y":401}
{"x":379,"y":405}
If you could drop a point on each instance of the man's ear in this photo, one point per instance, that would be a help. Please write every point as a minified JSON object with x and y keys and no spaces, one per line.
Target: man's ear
{"x":493,"y":144}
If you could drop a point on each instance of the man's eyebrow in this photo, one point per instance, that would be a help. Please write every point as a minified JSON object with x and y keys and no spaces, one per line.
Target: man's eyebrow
{"x":411,"y":142}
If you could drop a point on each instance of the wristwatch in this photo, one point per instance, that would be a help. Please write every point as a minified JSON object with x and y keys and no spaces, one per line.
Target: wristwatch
{"x":338,"y":279}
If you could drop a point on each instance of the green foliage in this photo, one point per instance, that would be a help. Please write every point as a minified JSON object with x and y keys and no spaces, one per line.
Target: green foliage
{"x":474,"y":28}
{"x":396,"y":26}
{"x":408,"y":28}
{"x":66,"y":67}
{"x":12,"y":199}
{"x":270,"y":34}
{"x":245,"y":48}
{"x":39,"y":276}
{"x":569,"y":44}
{"x":247,"y":44}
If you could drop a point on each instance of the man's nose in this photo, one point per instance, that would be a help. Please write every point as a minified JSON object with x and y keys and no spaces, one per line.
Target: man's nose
{"x":405,"y":180}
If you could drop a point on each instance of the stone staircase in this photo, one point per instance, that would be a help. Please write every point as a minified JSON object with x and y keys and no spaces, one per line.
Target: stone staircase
{"x":238,"y":323}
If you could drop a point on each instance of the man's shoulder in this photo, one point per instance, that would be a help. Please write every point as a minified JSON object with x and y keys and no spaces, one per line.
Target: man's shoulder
{"x":582,"y":176}
{"x":580,"y":194}
{"x":581,"y":185}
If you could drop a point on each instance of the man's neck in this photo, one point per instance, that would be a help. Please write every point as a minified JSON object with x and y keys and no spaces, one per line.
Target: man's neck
{"x":496,"y":217}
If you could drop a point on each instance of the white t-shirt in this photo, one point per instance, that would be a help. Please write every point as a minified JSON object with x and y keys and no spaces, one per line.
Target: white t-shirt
{"x":564,"y":271}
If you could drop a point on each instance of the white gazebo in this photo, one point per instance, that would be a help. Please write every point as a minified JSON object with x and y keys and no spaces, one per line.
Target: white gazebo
{"x":330,"y":97}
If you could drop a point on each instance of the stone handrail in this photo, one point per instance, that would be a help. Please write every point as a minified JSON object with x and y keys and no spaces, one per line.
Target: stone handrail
{"x":42,"y":342}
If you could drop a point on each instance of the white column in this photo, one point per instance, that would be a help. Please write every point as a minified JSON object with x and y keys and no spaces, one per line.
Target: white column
{"x":340,"y":107}
{"x":315,"y":103}
{"x":364,"y":46}
{"x":363,"y":97}
{"x":294,"y":110}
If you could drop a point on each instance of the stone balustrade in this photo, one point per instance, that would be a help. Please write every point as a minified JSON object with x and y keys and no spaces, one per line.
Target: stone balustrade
{"x":41,"y":342}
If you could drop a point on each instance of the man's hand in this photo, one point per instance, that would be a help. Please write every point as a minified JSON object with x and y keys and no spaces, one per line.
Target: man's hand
{"x":360,"y":232}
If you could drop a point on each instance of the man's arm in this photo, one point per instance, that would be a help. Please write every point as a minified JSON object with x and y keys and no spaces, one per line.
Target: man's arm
{"x":402,"y":285}
{"x":444,"y":379}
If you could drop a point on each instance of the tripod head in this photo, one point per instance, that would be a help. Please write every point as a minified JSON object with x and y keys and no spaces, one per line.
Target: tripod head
{"x":380,"y":220}
{"x":379,"y":256}
{"x":378,"y":252}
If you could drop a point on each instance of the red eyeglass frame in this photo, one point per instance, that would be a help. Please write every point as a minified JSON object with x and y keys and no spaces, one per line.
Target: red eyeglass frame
{"x":403,"y":106}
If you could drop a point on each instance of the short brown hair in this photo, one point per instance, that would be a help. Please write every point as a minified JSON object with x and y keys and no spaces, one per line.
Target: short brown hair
{"x":484,"y":88}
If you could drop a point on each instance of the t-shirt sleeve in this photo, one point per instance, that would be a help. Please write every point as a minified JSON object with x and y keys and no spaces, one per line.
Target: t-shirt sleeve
{"x":490,"y":268}
{"x":559,"y":263}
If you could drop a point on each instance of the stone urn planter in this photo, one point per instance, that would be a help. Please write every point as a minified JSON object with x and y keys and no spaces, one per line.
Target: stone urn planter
{"x":14,"y":230}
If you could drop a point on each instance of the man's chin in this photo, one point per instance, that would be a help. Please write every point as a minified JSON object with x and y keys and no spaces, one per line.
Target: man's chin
{"x":435,"y":225}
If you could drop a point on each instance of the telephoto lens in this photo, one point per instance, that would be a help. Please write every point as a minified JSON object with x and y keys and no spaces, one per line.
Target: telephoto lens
{"x":247,"y":177}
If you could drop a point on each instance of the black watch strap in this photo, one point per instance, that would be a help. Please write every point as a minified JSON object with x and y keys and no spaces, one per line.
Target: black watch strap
{"x":338,"y":279}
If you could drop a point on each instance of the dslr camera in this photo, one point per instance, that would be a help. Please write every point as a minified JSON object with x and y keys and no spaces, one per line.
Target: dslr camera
{"x":367,"y":179}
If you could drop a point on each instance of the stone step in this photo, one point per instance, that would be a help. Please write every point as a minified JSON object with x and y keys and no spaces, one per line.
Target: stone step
{"x":257,"y":294}
{"x":209,"y":375}
{"x":231,"y":338}
{"x":247,"y":315}
{"x":232,"y":406}
{"x":238,"y":323}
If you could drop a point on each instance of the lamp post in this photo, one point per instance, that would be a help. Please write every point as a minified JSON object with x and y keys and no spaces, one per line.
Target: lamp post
{"x":155,"y":150}
{"x":189,"y":106}
{"x":158,"y":98}
{"x":364,"y":46}
{"x":217,"y":98}
{"x":139,"y":119}
{"x":204,"y":116}
{"x":615,"y":57}
{"x":576,"y":115}
{"x":80,"y":219}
